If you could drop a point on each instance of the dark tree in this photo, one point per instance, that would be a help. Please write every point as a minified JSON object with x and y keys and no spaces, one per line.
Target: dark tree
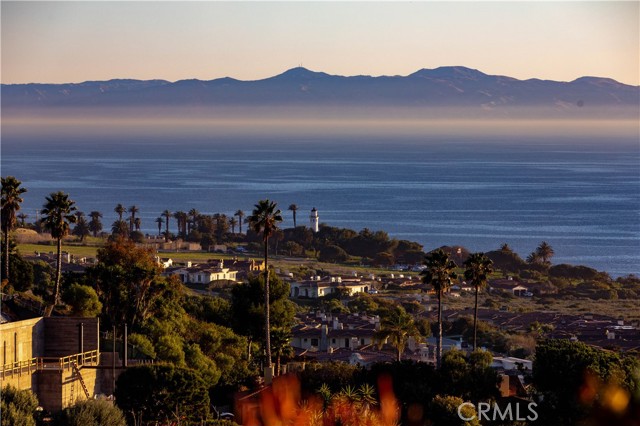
{"x":11,"y":199}
{"x":58,"y":213}
{"x":293,"y":208}
{"x":478,"y":268}
{"x":440,"y":273}
{"x":95,"y":225}
{"x":264,"y":220}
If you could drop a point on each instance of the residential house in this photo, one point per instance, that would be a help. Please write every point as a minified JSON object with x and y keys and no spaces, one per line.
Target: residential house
{"x":319,"y":287}
{"x":205,"y":273}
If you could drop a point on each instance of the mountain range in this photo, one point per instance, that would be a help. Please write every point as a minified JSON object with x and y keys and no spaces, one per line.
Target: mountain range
{"x":440,"y":87}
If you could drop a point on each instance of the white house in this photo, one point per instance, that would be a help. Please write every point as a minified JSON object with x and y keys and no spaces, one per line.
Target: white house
{"x":319,"y":287}
{"x":205,"y":274}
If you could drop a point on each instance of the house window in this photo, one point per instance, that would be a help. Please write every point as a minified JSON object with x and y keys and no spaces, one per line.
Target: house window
{"x":362,"y":341}
{"x":333,"y":340}
{"x":346,"y":342}
{"x":314,"y":342}
{"x":304,"y":340}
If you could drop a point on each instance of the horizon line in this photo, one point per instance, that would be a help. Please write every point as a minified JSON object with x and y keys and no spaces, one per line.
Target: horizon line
{"x":302,"y":68}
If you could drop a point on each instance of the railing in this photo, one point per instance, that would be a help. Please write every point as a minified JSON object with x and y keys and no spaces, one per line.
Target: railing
{"x":50,"y":363}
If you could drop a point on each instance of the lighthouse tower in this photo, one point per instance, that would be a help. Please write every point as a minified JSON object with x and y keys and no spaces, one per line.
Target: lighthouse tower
{"x":313,"y":217}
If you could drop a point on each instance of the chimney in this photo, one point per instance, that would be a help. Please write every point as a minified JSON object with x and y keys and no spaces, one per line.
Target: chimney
{"x":335,"y":323}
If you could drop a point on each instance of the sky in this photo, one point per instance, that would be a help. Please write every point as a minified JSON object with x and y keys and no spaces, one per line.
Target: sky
{"x":62,"y":42}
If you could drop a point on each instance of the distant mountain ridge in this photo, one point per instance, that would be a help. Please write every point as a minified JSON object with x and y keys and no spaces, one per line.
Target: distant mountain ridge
{"x":454,"y":86}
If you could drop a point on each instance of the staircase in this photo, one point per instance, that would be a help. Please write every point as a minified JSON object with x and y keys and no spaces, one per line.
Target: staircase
{"x":84,"y":386}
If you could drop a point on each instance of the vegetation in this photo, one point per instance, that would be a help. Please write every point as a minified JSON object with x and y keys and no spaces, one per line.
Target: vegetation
{"x":162,"y":393}
{"x":92,"y":413}
{"x":18,"y":407}
{"x":57,"y":215}
{"x":11,"y":200}
{"x":396,"y":327}
{"x":440,"y":274}
{"x":264,"y":220}
{"x":478,"y":268}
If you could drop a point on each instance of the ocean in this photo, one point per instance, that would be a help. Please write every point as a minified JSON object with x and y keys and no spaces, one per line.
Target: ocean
{"x":582,"y":196}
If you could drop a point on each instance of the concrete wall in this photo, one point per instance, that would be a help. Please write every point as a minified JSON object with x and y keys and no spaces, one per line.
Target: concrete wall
{"x":63,"y":335}
{"x":21,"y":340}
{"x":57,"y":389}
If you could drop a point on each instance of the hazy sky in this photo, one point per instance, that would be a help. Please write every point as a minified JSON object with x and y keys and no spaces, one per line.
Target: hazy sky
{"x":57,"y":42}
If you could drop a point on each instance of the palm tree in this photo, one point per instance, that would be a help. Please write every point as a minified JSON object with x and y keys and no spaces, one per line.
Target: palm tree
{"x":194,"y":217}
{"x":167,"y":216}
{"x":137,"y":223}
{"x":11,"y":199}
{"x":240,"y":215}
{"x":281,"y":344}
{"x":264,"y":219}
{"x":95,"y":225}
{"x":294,"y":209}
{"x":82,"y":227}
{"x":160,"y":222}
{"x":132,"y":220}
{"x":233,"y":222}
{"x":120,"y":209}
{"x":545,"y":252}
{"x":22,"y":217}
{"x":181,"y":217}
{"x":478,"y":267}
{"x":120,"y":228}
{"x":57,"y":214}
{"x":440,"y":273}
{"x":397,"y":326}
{"x":534,"y":258}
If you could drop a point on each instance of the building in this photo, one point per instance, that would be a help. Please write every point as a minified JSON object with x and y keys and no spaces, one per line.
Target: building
{"x":320,"y":287}
{"x":57,"y":358}
{"x":205,"y":273}
{"x":320,"y":332}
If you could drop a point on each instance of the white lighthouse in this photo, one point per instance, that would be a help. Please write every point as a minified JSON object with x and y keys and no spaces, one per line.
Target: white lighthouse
{"x":313,"y":218}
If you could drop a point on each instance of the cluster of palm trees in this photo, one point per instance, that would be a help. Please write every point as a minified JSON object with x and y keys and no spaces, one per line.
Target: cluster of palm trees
{"x":58,"y":212}
{"x":440,"y":273}
{"x":188,"y":221}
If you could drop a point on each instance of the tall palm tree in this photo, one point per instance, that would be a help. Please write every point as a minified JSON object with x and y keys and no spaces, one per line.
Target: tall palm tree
{"x":57,"y":214}
{"x":264,"y":220}
{"x":181,"y":217}
{"x":160,"y":222}
{"x":477,"y":270}
{"x":397,"y":326}
{"x":137,"y":223}
{"x":22,"y":217}
{"x":440,"y":273}
{"x":167,"y":216}
{"x":120,"y":210}
{"x":11,"y":199}
{"x":95,"y":225}
{"x":294,"y":209}
{"x":194,"y":218}
{"x":240,"y":215}
{"x":545,"y":252}
{"x":132,"y":220}
{"x":233,"y":222}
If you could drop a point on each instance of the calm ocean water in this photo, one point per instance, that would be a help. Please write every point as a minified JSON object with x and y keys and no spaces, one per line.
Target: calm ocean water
{"x":583,"y":197}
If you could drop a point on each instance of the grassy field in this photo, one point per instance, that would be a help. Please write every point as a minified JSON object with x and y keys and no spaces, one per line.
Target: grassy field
{"x":81,"y":251}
